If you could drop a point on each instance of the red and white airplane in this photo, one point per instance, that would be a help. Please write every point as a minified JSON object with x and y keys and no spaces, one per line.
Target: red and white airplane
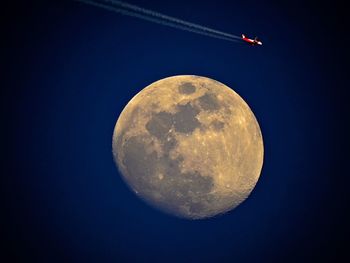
{"x":252,"y":42}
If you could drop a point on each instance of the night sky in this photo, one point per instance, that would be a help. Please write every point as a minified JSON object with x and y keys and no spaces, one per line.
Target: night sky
{"x":69,"y":69}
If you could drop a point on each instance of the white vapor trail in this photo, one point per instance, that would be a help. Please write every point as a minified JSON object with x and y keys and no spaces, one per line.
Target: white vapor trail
{"x":145,"y":14}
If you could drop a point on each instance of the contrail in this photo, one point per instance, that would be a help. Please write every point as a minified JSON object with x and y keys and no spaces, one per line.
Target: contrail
{"x":145,"y":14}
{"x":167,"y":18}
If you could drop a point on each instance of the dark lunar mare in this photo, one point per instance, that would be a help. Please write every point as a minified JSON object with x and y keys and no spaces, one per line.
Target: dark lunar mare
{"x":160,"y":124}
{"x":217,"y":125}
{"x":186,"y":88}
{"x":139,"y":164}
{"x":209,"y":102}
{"x":185,"y":120}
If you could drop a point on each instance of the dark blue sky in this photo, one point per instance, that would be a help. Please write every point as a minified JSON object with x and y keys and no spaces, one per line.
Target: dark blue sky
{"x":69,"y":69}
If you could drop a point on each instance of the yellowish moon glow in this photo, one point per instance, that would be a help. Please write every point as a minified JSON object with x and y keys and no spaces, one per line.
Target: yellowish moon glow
{"x":189,"y":146}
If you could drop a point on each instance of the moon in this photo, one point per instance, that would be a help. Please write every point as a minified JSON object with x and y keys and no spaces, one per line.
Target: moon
{"x":189,"y":146}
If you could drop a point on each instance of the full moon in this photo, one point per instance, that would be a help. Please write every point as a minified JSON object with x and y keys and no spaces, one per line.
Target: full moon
{"x":189,"y":146}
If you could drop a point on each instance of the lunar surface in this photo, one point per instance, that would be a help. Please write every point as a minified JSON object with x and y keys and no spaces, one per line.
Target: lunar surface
{"x":189,"y":146}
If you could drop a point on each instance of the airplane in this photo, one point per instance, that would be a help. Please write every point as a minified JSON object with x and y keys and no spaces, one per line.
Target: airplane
{"x":252,"y":42}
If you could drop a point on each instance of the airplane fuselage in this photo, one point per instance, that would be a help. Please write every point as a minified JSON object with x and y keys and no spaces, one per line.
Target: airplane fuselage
{"x":250,"y":41}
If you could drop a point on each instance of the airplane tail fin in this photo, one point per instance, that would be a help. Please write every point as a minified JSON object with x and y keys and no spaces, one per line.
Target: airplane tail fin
{"x":243,"y":36}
